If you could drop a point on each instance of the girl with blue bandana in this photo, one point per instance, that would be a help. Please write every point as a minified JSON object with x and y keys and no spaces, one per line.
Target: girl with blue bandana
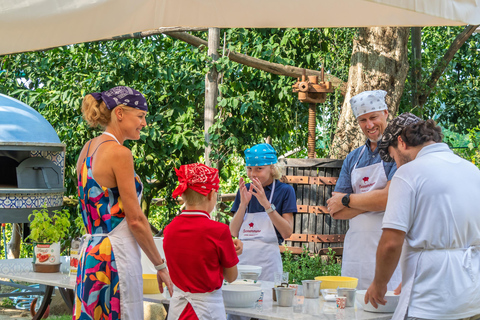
{"x":263,"y":211}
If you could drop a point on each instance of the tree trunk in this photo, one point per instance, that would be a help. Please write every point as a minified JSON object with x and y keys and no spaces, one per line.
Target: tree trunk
{"x":379,"y":62}
{"x":211,"y":90}
{"x":13,"y":247}
{"x":416,"y":68}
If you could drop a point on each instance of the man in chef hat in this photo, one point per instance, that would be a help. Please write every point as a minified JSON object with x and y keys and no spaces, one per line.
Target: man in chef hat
{"x":361,"y":192}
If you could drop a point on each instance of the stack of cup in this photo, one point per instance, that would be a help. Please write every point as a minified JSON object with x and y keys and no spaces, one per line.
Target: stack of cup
{"x":341,"y":302}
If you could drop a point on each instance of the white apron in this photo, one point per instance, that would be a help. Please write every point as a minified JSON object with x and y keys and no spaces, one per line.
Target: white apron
{"x":127,"y":257}
{"x":260,"y":243}
{"x":207,"y":306}
{"x":410,"y":259}
{"x":365,"y":230}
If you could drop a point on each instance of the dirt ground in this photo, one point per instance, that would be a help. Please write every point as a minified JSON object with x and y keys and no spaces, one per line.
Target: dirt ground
{"x":14,"y":314}
{"x":57,"y":306}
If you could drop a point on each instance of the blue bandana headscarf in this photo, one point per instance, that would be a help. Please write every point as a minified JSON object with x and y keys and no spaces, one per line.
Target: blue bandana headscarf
{"x":260,"y":155}
{"x":122,"y":95}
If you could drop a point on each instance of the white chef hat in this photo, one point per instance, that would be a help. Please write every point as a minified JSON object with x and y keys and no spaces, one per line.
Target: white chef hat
{"x":368,"y":101}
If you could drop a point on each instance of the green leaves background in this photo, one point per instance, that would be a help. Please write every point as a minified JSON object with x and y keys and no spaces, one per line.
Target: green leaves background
{"x":252,"y":105}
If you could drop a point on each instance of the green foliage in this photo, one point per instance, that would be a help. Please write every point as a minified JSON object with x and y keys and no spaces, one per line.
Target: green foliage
{"x":253,"y":104}
{"x":48,"y":228}
{"x":454,"y":102}
{"x":167,"y":72}
{"x":77,"y":228}
{"x":61,"y":317}
{"x":467,"y":145}
{"x":306,"y":266}
{"x":7,"y":303}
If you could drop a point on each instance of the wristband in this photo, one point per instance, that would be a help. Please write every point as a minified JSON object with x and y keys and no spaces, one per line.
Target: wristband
{"x":160,"y":266}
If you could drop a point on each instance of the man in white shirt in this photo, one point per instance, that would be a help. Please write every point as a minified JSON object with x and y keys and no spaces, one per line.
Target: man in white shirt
{"x":433,"y":206}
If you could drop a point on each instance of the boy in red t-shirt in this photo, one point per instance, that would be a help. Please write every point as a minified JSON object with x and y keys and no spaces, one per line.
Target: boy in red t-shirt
{"x":199,"y":252}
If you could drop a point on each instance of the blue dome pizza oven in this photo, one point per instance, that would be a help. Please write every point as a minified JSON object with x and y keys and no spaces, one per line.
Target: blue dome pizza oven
{"x":32,"y":162}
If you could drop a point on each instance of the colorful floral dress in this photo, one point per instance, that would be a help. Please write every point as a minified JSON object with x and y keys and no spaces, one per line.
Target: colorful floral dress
{"x":97,"y":284}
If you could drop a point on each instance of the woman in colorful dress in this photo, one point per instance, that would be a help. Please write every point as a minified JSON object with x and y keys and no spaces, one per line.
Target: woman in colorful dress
{"x":109,"y":279}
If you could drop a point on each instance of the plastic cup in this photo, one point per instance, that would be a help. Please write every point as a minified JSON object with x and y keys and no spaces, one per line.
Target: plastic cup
{"x":280,"y":279}
{"x":341,"y":302}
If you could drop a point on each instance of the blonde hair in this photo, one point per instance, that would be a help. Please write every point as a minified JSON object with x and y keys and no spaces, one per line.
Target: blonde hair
{"x":95,"y":112}
{"x":277,"y":169}
{"x":193,"y":198}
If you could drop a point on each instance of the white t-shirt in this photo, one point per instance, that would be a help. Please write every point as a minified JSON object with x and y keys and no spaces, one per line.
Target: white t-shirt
{"x":435,"y":201}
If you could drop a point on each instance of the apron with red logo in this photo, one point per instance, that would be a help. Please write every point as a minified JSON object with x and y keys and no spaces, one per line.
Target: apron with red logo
{"x":364,"y":231}
{"x":260,"y":243}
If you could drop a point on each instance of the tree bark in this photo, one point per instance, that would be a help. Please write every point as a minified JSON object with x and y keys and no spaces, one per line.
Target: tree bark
{"x":416,"y":68}
{"x":13,"y":247}
{"x":379,"y":62}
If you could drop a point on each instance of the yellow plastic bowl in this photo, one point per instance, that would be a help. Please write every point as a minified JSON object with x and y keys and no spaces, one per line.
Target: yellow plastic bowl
{"x":333,"y":282}
{"x":150,"y":284}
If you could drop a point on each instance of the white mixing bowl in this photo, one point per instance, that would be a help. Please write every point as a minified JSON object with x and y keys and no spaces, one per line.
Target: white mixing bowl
{"x":392,"y":302}
{"x":240,"y":296}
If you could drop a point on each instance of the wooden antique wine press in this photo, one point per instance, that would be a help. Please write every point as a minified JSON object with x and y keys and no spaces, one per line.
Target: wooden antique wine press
{"x":311,"y":91}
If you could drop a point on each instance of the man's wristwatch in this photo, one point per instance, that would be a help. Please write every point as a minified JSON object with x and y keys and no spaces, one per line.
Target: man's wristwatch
{"x":271,"y":209}
{"x":346,"y":200}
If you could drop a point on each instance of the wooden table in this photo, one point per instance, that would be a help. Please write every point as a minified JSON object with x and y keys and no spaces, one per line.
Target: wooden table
{"x":303,"y":309}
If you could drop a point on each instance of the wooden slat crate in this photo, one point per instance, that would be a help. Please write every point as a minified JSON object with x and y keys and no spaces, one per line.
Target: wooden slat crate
{"x":314,"y":181}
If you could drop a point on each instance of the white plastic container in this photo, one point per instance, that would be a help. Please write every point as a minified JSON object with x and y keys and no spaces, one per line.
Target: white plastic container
{"x":150,"y":284}
{"x":248,"y":268}
{"x":147,"y":265}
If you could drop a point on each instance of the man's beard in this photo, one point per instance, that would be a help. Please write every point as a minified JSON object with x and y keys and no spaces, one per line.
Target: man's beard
{"x":404,"y":158}
{"x":376,"y":140}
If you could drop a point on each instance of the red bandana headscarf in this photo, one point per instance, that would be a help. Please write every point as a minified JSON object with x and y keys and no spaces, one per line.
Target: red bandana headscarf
{"x":197,"y":177}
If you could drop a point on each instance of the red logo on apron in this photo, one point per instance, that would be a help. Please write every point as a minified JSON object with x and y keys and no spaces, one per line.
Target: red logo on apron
{"x":365,"y":179}
{"x":250,"y":224}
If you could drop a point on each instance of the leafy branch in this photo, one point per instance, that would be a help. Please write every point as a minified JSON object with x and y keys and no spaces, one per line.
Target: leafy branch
{"x":46,"y":228}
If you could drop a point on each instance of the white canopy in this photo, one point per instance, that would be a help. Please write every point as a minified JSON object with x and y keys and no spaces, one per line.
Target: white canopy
{"x":27,"y":25}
